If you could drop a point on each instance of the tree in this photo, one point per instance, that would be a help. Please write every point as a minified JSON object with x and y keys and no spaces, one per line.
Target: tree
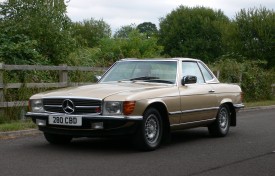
{"x":254,"y":35}
{"x":113,"y":49}
{"x":90,"y":32}
{"x":135,"y":46}
{"x":18,"y":49}
{"x":139,"y":46}
{"x":43,"y":23}
{"x":148,"y":28}
{"x":124,"y":31}
{"x":192,"y":32}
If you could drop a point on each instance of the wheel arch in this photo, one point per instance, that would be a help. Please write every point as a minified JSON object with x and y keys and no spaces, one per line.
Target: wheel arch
{"x":162,"y":109}
{"x":233,"y":118}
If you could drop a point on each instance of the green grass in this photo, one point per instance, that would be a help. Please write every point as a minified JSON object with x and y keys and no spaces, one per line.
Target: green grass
{"x":260,"y":103}
{"x":17,"y":125}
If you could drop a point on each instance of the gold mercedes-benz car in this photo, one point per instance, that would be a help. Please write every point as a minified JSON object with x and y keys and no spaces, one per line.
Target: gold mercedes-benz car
{"x":146,"y":99}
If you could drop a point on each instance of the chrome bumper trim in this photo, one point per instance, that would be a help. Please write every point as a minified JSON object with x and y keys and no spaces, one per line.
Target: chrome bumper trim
{"x":238,"y":106}
{"x":87,"y":116}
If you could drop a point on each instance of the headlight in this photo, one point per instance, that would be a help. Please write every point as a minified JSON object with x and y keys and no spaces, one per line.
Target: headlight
{"x":36,"y":105}
{"x":112,"y":108}
{"x":119,"y":107}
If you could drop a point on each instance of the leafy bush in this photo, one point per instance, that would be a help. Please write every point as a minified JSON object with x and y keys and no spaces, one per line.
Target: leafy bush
{"x":256,"y":82}
{"x":253,"y":78}
{"x":230,"y":70}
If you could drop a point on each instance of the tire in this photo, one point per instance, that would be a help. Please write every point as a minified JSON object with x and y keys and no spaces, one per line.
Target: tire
{"x":57,"y":139}
{"x":149,"y":134}
{"x":221,"y":125}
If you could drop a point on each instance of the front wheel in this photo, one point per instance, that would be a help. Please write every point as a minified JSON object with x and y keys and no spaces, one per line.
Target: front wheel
{"x":57,"y":139}
{"x":149,"y":135}
{"x":221,"y":125}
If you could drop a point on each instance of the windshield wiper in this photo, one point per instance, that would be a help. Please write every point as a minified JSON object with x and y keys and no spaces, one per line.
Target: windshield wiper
{"x":144,"y":78}
{"x":148,"y":79}
{"x":160,"y":81}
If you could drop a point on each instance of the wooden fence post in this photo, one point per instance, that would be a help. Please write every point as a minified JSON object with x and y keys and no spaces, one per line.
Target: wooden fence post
{"x":218,"y":74}
{"x":2,"y":98}
{"x":63,"y":75}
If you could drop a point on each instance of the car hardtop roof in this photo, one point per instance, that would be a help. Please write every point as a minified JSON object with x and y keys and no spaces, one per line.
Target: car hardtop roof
{"x":160,"y":59}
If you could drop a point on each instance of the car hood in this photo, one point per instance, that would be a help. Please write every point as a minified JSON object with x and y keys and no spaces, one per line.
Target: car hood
{"x":100,"y":91}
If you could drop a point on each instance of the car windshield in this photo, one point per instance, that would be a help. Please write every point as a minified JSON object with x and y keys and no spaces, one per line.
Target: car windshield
{"x":147,"y":71}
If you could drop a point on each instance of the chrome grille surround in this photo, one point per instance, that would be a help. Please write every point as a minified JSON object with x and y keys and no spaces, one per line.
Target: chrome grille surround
{"x":81,"y":105}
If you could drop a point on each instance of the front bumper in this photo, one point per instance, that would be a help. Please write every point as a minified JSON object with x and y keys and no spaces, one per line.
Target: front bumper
{"x":112,"y":125}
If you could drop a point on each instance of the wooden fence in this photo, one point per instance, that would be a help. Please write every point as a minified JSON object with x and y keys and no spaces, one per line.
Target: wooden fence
{"x":63,"y":79}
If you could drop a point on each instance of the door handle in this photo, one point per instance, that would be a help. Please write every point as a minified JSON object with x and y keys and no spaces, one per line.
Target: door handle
{"x":211,"y":91}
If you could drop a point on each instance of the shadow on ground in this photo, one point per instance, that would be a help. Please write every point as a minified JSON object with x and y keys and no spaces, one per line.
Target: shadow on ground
{"x":124,"y":144}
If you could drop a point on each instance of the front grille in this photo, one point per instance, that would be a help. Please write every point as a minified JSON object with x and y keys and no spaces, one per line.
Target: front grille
{"x":82,"y":106}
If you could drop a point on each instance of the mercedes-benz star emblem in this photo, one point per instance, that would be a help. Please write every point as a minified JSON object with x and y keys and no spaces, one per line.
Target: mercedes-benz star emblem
{"x":68,"y":106}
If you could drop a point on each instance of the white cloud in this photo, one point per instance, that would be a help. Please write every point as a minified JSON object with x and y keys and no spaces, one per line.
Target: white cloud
{"x":118,"y":13}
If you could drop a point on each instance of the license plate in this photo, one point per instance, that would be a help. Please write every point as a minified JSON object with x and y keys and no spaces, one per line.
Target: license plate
{"x":65,"y":120}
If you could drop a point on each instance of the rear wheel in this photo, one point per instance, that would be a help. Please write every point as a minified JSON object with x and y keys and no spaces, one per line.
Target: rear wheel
{"x":149,"y":135}
{"x":221,"y":125}
{"x":58,"y":139}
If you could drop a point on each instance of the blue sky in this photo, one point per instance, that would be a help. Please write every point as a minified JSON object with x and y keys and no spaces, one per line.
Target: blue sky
{"x":118,"y":13}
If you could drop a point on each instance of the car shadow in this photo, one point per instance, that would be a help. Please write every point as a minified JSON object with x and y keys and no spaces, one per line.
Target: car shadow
{"x":124,"y":144}
{"x":189,"y":135}
{"x":119,"y":144}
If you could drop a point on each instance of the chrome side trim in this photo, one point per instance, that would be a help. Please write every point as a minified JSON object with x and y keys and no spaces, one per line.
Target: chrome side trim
{"x":187,"y":123}
{"x":193,"y":110}
{"x":175,"y":113}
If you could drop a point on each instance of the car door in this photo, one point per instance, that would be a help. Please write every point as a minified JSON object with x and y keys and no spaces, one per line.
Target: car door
{"x":198,"y":101}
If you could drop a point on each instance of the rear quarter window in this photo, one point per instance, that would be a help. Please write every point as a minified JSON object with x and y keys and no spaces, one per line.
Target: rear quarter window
{"x":206,"y":74}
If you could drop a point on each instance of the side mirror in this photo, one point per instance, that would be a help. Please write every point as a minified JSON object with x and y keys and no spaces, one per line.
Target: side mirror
{"x":188,"y":80}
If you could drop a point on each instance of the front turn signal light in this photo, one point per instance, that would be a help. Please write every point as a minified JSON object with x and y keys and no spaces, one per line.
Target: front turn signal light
{"x":128,"y":107}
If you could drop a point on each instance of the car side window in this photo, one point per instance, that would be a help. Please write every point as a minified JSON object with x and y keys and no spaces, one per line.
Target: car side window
{"x":205,"y":72}
{"x":192,"y":68}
